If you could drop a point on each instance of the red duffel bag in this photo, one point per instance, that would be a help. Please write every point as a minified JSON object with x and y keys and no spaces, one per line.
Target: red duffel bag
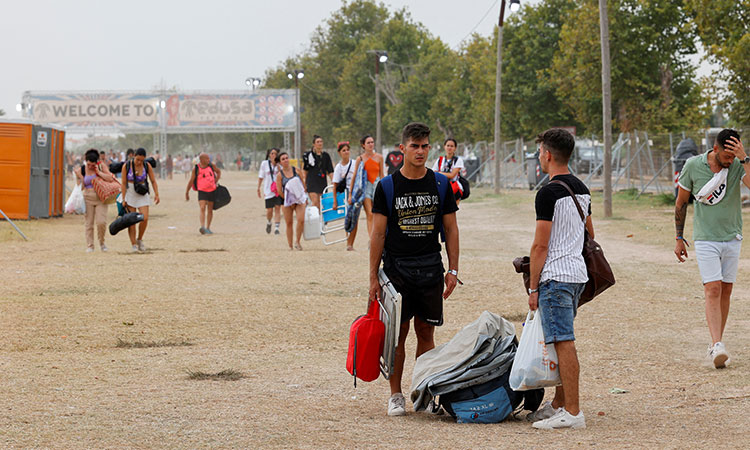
{"x":366,"y":337}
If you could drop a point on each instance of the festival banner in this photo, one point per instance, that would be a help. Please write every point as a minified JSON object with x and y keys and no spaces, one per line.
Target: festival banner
{"x":262,"y":110}
{"x":96,"y":110}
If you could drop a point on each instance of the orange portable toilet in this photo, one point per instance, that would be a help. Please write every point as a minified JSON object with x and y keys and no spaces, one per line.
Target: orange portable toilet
{"x":30,"y":163}
{"x":15,"y":166}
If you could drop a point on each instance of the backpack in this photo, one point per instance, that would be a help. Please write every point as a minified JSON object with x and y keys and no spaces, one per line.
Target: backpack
{"x":366,"y":337}
{"x":195,"y":178}
{"x":442,"y":186}
{"x":462,"y":184}
{"x":489,"y":402}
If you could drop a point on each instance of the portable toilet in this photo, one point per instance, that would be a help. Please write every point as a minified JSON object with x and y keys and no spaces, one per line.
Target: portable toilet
{"x":31,"y":160}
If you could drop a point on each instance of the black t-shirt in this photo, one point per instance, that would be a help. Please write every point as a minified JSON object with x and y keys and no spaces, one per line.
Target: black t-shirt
{"x":548,"y":196}
{"x":394,"y":161}
{"x":414,"y":225}
{"x":323,"y":164}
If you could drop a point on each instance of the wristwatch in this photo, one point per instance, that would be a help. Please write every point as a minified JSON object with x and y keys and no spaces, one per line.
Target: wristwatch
{"x":453,"y":272}
{"x":746,"y":160}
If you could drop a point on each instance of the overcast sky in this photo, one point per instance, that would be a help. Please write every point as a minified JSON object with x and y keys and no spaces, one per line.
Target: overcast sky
{"x":134,"y":45}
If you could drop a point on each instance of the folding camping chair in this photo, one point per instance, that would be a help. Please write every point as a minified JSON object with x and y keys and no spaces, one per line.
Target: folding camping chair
{"x":330,"y":216}
{"x":390,"y":315}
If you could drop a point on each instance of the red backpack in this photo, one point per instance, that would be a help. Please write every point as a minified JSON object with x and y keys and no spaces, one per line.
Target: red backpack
{"x":366,"y":337}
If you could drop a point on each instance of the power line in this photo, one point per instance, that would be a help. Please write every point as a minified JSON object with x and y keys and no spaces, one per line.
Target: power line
{"x":480,"y":22}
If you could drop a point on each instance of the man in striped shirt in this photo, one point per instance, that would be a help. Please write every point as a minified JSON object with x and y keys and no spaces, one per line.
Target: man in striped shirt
{"x":558,"y":272}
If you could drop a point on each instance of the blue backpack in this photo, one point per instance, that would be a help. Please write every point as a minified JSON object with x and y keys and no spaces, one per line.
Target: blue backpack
{"x":443,"y":186}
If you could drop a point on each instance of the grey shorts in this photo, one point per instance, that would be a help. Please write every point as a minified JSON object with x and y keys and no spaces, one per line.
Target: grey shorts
{"x":718,"y":261}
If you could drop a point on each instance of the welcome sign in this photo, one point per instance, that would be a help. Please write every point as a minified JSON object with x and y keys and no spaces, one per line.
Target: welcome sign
{"x":261,"y":110}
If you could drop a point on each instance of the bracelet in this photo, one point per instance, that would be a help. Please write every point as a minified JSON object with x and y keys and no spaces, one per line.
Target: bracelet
{"x":679,"y":237}
{"x":532,"y":291}
{"x":453,"y":272}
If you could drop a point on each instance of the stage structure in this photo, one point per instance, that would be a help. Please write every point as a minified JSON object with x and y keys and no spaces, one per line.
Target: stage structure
{"x":164,"y":112}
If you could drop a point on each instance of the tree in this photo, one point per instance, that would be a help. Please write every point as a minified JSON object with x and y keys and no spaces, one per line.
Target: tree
{"x":723,"y":27}
{"x":2,"y":113}
{"x":653,"y":82}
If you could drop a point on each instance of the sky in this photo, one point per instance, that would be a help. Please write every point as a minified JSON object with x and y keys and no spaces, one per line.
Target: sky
{"x":136,"y":45}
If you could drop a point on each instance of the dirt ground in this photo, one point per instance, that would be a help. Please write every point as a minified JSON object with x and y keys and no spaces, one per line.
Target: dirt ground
{"x":241,"y":300}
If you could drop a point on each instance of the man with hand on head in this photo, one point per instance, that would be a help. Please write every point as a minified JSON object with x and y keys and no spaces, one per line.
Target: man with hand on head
{"x":410,"y":208}
{"x":714,"y":179}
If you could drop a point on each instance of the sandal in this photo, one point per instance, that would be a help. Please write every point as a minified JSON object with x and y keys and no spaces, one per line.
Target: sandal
{"x":349,"y":248}
{"x":297,"y":246}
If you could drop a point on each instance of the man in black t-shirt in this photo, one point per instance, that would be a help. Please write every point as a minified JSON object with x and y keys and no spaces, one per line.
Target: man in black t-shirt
{"x":558,"y":272}
{"x":394,"y":160}
{"x":407,"y":225}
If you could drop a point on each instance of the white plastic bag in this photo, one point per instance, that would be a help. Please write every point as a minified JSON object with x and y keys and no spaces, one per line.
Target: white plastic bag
{"x":76,"y":204}
{"x":535,"y":364}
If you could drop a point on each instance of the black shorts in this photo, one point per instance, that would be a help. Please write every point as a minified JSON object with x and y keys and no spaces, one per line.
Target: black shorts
{"x":316,"y":184}
{"x":423,"y":302}
{"x":207,"y":196}
{"x":274,"y":201}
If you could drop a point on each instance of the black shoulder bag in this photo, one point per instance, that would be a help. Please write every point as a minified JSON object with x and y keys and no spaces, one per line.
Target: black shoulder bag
{"x":341,"y":186}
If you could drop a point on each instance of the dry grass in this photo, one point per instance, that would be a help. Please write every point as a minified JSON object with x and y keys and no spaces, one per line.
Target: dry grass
{"x":224,"y":375}
{"x":151,"y":344}
{"x":281,"y":318}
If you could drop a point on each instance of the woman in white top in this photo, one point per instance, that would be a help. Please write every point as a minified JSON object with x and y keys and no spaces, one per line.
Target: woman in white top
{"x":267,"y":177}
{"x":451,"y":165}
{"x":342,"y":177}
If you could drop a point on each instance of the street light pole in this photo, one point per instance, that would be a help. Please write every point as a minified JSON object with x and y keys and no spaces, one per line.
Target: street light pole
{"x":296,"y":76}
{"x":381,"y":56}
{"x":606,"y":106}
{"x":498,"y":90}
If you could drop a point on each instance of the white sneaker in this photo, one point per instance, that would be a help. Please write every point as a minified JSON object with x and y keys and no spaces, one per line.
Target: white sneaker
{"x":719,"y":355}
{"x":544,"y":412}
{"x":89,"y":250}
{"x":134,"y":249}
{"x":104,"y":248}
{"x":141,"y":246}
{"x":563,"y":419}
{"x":397,"y":405}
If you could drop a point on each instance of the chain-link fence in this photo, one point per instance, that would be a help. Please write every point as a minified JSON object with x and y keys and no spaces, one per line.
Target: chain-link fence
{"x":642,"y":161}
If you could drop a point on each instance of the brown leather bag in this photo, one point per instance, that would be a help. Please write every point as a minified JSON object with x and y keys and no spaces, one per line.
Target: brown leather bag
{"x":598,"y":269}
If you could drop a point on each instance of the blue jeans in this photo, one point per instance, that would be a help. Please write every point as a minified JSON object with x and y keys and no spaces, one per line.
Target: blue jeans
{"x":558,"y":305}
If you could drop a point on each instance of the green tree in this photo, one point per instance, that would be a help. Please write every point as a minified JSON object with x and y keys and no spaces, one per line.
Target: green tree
{"x":723,"y":27}
{"x":2,"y":113}
{"x":653,"y":82}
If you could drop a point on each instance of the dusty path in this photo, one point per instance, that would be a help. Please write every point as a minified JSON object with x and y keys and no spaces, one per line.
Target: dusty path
{"x":244,"y":302}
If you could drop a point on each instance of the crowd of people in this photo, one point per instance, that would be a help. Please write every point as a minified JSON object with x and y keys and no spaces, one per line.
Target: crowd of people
{"x":417,"y":205}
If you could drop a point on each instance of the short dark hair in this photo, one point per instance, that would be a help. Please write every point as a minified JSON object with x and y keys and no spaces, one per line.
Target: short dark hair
{"x":414,"y":131}
{"x":130,"y":152}
{"x":724,"y":135}
{"x":140,"y":152}
{"x":92,"y":155}
{"x":559,"y":142}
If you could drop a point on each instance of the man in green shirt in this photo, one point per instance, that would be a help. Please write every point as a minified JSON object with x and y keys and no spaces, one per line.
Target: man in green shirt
{"x":714,"y":179}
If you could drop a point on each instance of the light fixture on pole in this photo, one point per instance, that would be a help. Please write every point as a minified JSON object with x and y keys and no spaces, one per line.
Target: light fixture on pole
{"x":297,"y":75}
{"x":514,"y":6}
{"x":252,"y":82}
{"x":381,"y":56}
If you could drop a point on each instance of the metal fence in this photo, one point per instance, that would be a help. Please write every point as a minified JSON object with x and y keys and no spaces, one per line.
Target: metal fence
{"x":640,"y":160}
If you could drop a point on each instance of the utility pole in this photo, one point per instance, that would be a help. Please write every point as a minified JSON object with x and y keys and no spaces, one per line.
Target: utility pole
{"x":498,"y":89}
{"x":297,"y":75}
{"x":381,"y":56}
{"x":606,"y":106}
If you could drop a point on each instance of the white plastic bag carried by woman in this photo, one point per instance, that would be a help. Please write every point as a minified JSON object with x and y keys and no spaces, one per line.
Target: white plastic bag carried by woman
{"x":75,"y":203}
{"x":535,"y":364}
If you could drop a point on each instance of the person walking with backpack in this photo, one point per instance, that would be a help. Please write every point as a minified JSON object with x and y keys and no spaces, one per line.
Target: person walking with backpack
{"x":714,"y":179}
{"x":316,"y":168}
{"x":342,"y":177}
{"x":558,"y":272}
{"x":96,"y":210}
{"x":203,"y":179}
{"x":372,"y":164}
{"x":295,"y":198}
{"x":267,"y":178}
{"x":451,"y":165}
{"x":135,"y":193}
{"x":410,"y":209}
